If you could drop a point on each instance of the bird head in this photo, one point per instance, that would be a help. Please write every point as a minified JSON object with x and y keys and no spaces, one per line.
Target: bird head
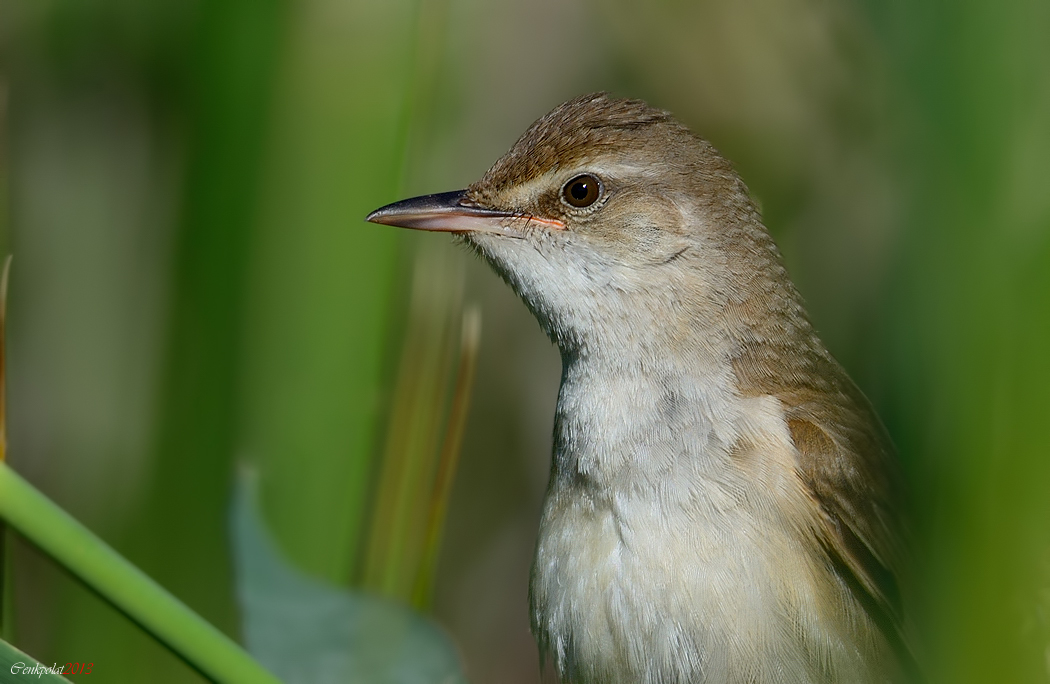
{"x":607,"y":210}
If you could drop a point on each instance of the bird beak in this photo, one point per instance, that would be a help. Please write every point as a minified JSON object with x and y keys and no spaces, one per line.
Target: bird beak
{"x":453,"y":212}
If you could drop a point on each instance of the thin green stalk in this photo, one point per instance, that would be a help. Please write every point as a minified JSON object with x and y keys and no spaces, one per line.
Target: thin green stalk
{"x":470,"y":338}
{"x":115,"y":579}
{"x":7,"y":613}
{"x":4,"y":278}
{"x":416,"y":424}
{"x":421,"y":458}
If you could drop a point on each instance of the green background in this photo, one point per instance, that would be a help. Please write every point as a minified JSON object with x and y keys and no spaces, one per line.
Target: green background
{"x":183,"y":184}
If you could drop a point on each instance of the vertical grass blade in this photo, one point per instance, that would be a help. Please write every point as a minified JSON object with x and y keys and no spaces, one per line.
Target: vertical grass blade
{"x":7,"y":613}
{"x":4,"y":279}
{"x":470,"y":338}
{"x":415,"y":429}
{"x":320,"y":296}
{"x":176,"y":532}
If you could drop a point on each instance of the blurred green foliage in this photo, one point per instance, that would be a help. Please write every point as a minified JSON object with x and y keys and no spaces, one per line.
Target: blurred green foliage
{"x":970,"y":318}
{"x":183,"y":185}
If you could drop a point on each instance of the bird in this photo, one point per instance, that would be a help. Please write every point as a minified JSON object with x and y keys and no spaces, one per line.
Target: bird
{"x":724,"y":504}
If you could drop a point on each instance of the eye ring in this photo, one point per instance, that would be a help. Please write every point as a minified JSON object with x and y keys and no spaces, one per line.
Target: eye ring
{"x":581,"y":191}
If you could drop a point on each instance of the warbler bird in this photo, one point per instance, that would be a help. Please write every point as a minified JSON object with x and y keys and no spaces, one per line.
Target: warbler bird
{"x":724,"y":504}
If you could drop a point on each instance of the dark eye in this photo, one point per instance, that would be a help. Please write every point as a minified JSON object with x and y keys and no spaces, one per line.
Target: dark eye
{"x":582,"y":191}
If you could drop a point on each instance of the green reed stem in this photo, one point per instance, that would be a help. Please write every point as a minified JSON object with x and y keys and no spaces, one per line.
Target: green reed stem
{"x":122,"y":584}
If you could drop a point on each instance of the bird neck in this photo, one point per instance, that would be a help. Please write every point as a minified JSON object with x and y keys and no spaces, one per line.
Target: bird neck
{"x":676,"y":390}
{"x":625,"y":420}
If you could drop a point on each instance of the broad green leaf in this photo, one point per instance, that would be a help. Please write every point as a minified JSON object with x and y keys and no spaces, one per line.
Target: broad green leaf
{"x":308,"y":631}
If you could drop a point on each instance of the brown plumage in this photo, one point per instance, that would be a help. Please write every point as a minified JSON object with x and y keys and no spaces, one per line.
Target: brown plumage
{"x":724,"y":503}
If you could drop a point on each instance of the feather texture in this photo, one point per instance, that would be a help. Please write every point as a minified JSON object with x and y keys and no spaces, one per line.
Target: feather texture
{"x":724,"y":505}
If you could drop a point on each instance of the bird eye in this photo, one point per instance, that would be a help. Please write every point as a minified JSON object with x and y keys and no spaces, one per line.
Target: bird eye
{"x":582,"y":191}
